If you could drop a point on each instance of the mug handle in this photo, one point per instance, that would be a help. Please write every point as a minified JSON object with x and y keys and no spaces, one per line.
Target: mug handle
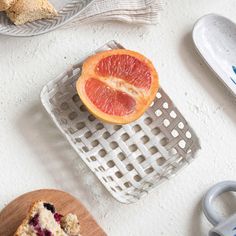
{"x":215,"y":191}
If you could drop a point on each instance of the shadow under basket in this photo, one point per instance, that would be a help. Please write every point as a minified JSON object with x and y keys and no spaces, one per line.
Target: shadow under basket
{"x":131,"y":159}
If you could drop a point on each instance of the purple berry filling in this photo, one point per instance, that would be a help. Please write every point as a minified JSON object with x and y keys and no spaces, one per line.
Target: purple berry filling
{"x":58,"y":217}
{"x":49,"y":207}
{"x":47,"y":233}
{"x":39,"y":231}
{"x":34,"y":221}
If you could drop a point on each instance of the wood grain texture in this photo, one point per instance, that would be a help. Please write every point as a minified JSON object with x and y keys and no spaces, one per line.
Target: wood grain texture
{"x":14,"y":213}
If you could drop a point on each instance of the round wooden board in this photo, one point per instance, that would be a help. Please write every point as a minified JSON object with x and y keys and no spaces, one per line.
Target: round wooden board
{"x":14,"y":213}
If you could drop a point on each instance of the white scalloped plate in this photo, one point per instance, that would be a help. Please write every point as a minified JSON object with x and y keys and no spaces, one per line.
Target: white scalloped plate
{"x":67,"y":9}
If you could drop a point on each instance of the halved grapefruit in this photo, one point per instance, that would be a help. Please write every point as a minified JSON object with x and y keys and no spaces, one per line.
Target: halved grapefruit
{"x":117,"y":86}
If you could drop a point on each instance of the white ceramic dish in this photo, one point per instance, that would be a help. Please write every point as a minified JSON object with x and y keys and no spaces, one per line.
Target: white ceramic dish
{"x":129,"y":160}
{"x":215,"y":38}
{"x":67,"y":10}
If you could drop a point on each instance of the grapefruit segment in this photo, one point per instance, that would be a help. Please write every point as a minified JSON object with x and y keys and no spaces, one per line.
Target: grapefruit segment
{"x":109,"y":100}
{"x":117,"y":86}
{"x":126,"y":67}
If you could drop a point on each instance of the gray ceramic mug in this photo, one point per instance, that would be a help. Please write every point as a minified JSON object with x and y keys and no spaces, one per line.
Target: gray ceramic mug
{"x":222,"y":227}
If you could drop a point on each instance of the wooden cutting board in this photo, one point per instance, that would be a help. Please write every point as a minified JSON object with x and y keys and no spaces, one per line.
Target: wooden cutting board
{"x":14,"y":213}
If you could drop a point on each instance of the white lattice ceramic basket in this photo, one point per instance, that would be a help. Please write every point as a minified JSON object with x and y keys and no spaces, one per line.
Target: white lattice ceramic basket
{"x":129,"y":160}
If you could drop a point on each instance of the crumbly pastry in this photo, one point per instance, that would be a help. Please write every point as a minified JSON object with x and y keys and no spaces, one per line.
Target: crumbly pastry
{"x":43,"y":220}
{"x":24,"y":11}
{"x":5,"y":4}
{"x":70,"y":225}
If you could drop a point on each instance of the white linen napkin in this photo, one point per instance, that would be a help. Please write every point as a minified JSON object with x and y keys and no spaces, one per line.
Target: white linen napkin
{"x":132,"y":11}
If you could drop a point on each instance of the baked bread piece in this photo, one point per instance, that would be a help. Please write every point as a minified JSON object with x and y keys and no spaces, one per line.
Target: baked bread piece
{"x":43,"y":220}
{"x":5,"y":4}
{"x":30,"y":10}
{"x":70,"y":224}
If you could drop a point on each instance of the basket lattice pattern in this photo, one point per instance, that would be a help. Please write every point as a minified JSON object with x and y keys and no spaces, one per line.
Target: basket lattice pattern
{"x":131,"y":159}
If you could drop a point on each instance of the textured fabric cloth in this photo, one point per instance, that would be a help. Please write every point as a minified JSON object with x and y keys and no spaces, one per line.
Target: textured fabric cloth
{"x":132,"y":11}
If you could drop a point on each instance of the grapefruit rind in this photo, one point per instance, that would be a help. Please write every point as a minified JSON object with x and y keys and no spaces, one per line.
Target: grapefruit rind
{"x":143,"y":98}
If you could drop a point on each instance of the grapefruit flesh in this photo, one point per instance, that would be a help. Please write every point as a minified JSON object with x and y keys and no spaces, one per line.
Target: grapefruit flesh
{"x":117,"y":86}
{"x":109,"y":100}
{"x":126,"y":67}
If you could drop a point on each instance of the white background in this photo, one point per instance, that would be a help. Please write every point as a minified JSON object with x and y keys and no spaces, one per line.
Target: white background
{"x":34,"y":155}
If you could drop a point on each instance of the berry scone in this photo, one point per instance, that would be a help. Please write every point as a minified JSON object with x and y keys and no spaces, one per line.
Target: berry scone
{"x":43,"y":220}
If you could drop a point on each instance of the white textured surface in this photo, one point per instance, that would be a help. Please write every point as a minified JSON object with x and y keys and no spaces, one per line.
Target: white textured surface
{"x":34,"y":155}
